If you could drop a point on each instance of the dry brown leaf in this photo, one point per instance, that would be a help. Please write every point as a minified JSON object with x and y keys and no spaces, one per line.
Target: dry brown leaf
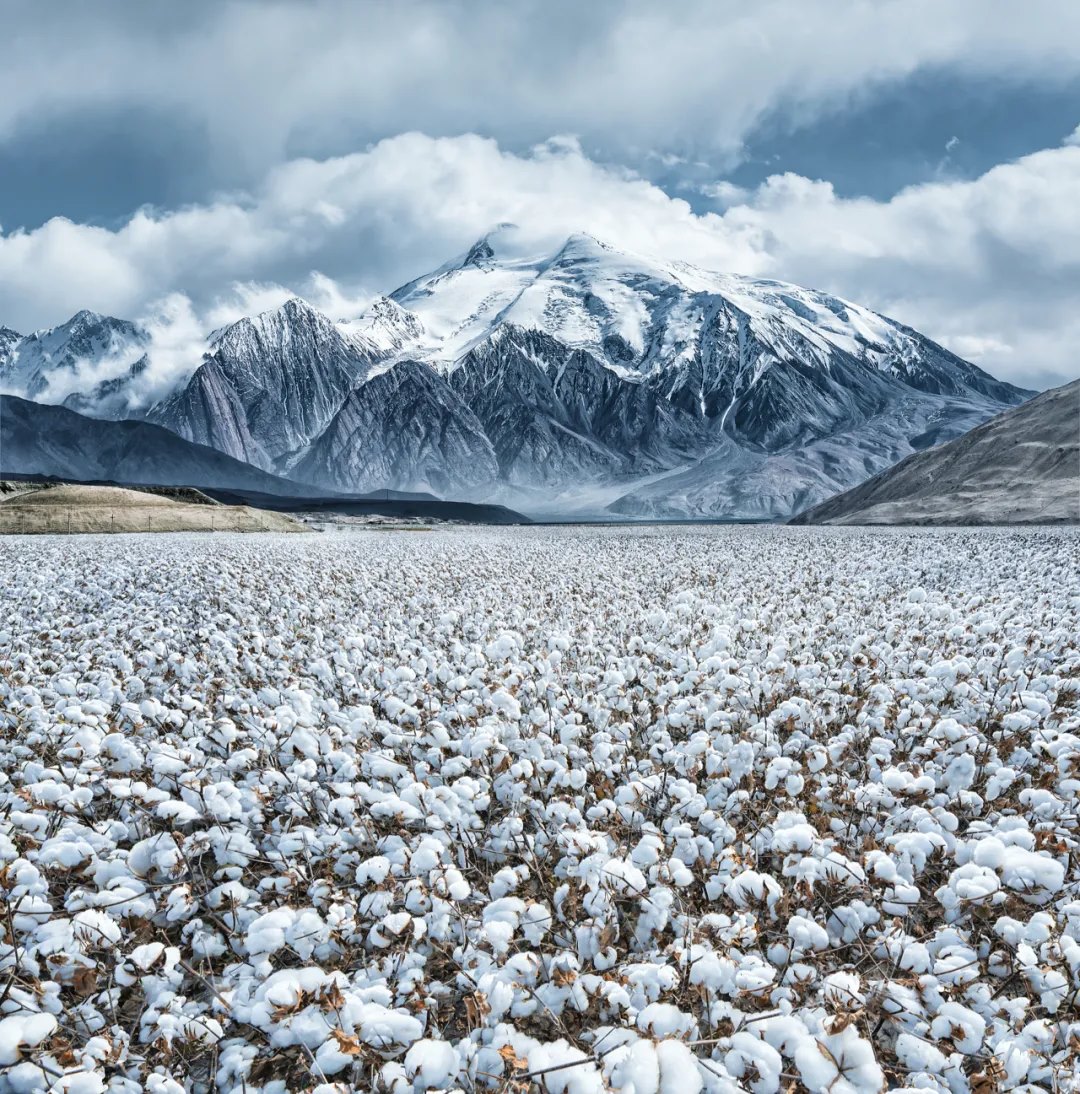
{"x":512,"y":1059}
{"x":476,"y":1007}
{"x":84,"y":982}
{"x":347,"y":1044}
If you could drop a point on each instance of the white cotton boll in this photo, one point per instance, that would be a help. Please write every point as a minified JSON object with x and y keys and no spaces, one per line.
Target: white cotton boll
{"x":754,"y":975}
{"x":679,"y":873}
{"x":502,"y":702}
{"x":425,"y":858}
{"x":535,"y":923}
{"x":665,"y":1020}
{"x":266,"y":933}
{"x":307,"y":931}
{"x":648,"y":850}
{"x":752,"y":889}
{"x":622,"y":876}
{"x":146,"y":956}
{"x":637,"y":1069}
{"x":848,"y":1067}
{"x":1034,"y":874}
{"x":959,"y":775}
{"x":791,"y":832}
{"x":844,"y":990}
{"x":989,"y":852}
{"x":157,"y":857}
{"x":679,"y":1071}
{"x":159,"y":1084}
{"x":583,"y":1077}
{"x":961,"y":1025}
{"x":432,"y":1065}
{"x":373,"y":871}
{"x":917,"y":1055}
{"x":806,"y":934}
{"x":498,"y":935}
{"x":755,"y":1062}
{"x":22,"y":1033}
{"x":450,"y":883}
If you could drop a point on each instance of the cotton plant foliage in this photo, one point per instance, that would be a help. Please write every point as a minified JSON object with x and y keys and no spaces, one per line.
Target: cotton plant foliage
{"x":643,"y":810}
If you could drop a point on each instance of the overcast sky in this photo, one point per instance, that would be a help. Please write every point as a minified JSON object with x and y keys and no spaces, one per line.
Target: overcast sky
{"x":183,"y":163}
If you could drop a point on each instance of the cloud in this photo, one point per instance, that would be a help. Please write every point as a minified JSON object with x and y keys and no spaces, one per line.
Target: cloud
{"x":989,"y":266}
{"x":267,"y":81}
{"x":723,"y":194}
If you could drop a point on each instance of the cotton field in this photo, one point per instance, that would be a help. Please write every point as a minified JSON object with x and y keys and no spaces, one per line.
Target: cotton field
{"x":653,"y":810}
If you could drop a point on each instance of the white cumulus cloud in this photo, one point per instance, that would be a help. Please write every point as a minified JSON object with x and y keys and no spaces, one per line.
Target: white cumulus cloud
{"x":989,"y":265}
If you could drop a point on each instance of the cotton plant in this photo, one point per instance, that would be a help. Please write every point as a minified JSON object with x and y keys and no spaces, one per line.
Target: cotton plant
{"x":568,"y":810}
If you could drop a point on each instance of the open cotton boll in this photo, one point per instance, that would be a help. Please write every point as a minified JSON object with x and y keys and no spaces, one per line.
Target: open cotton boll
{"x":432,"y":1065}
{"x":847,"y":1065}
{"x":662,"y":1020}
{"x":756,"y":1064}
{"x":961,"y":1025}
{"x":21,"y":1034}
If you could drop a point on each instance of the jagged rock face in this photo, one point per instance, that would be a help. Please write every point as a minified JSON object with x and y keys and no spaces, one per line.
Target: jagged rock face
{"x":405,"y":427}
{"x":554,"y":414}
{"x":385,"y":328}
{"x":270,"y":386}
{"x":9,"y":339}
{"x":87,"y":363}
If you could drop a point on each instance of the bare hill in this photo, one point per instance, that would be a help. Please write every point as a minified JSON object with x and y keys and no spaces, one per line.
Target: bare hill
{"x":1021,"y":467}
{"x":64,"y":508}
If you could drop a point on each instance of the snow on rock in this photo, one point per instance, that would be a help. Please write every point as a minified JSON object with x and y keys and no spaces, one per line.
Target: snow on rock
{"x":656,"y":811}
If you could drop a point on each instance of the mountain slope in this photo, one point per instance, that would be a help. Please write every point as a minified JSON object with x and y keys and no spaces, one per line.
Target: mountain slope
{"x":404,"y":426}
{"x":1022,"y":466}
{"x":271,"y":384}
{"x":54,"y":441}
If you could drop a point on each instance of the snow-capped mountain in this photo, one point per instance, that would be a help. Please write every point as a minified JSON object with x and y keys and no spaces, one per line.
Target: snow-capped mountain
{"x":86,"y":364}
{"x":591,"y":368}
{"x":270,"y":386}
{"x":574,"y":380}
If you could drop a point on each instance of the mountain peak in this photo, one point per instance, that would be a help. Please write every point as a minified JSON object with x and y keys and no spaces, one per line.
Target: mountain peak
{"x":490,"y":247}
{"x":585,"y":241}
{"x":385,"y":326}
{"x":85,"y":318}
{"x":294,"y":310}
{"x":298,"y":308}
{"x":389,"y":314}
{"x":480,"y":254}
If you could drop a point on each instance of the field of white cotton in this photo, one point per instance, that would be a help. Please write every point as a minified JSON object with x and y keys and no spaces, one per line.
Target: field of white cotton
{"x":651,"y":810}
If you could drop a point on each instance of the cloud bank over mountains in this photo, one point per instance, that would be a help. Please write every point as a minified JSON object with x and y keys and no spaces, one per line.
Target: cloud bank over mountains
{"x":990,"y":266}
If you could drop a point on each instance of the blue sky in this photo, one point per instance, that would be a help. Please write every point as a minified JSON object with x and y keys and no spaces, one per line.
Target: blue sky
{"x":208,"y":158}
